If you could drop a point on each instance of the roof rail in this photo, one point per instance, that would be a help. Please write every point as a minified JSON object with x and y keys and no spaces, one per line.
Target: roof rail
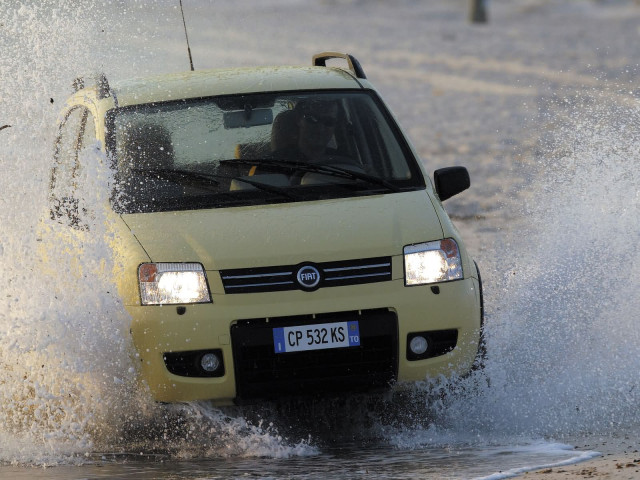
{"x":320,"y":60}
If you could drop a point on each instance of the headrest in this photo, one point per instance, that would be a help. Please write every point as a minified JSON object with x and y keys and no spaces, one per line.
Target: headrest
{"x":284,"y":132}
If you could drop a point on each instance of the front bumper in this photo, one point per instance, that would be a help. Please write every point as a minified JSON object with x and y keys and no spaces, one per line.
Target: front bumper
{"x":387,"y":312}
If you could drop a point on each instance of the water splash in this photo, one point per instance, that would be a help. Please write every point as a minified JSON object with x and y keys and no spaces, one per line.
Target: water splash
{"x":68,"y":385}
{"x":563,"y":336}
{"x":42,"y":383}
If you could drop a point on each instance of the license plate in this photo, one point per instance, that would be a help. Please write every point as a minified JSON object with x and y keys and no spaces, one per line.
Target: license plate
{"x":316,"y":337}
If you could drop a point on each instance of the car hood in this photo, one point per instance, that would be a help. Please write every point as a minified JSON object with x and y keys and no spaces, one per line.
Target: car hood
{"x":286,"y":234}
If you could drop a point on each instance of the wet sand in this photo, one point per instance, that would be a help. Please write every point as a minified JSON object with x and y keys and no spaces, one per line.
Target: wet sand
{"x":609,"y":466}
{"x":619,"y":459}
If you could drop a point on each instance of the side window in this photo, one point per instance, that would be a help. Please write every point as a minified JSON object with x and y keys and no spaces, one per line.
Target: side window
{"x":76,"y":131}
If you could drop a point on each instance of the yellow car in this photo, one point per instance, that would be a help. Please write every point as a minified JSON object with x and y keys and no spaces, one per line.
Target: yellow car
{"x":275,"y":233}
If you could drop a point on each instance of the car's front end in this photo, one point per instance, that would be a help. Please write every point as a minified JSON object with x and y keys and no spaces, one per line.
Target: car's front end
{"x":372,"y":269}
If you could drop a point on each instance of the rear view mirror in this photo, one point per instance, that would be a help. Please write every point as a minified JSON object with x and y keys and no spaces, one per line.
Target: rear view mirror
{"x":451,"y":181}
{"x":248,"y":118}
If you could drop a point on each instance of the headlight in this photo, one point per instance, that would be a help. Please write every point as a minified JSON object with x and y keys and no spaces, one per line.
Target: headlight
{"x":432,"y":262}
{"x":171,"y":283}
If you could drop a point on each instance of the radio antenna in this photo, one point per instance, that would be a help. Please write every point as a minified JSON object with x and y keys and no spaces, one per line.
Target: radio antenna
{"x":186,"y":36}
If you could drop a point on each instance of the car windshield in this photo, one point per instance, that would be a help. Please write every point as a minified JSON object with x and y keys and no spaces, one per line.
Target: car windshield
{"x":256,"y":149}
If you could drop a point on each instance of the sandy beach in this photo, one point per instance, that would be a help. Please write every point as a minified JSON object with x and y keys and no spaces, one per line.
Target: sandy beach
{"x":620,"y":465}
{"x":615,"y":468}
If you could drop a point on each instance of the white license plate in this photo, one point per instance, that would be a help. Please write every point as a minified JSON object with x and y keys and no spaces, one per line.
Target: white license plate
{"x":316,"y":337}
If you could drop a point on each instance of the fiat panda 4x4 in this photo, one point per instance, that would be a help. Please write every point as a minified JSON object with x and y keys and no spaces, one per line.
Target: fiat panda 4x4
{"x":275,"y":233}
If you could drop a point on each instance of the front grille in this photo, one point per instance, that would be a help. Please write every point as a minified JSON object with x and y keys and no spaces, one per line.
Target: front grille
{"x":262,"y":373}
{"x":281,"y":278}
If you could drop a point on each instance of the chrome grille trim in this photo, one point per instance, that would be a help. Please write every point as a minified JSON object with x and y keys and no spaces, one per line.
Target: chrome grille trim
{"x":266,"y":284}
{"x":328,"y":279}
{"x":282,"y":278}
{"x":388,"y":264}
{"x":262,"y":275}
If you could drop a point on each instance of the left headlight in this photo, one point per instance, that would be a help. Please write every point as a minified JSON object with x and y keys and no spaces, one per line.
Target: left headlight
{"x":172,"y":283}
{"x":432,"y":262}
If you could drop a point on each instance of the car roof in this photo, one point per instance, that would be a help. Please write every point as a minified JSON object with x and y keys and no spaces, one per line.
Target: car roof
{"x":204,"y":83}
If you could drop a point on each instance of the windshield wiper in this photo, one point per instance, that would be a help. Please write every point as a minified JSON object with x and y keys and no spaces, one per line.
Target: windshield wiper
{"x":269,"y":162}
{"x":265,"y":187}
{"x":331,"y":170}
{"x":343,"y":171}
{"x":208,"y":179}
{"x":174,"y":175}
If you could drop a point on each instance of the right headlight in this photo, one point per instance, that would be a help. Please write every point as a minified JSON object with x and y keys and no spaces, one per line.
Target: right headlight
{"x":172,"y":283}
{"x":432,"y":262}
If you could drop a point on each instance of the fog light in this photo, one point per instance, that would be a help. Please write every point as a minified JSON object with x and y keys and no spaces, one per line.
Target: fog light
{"x":210,"y":362}
{"x":418,"y":345}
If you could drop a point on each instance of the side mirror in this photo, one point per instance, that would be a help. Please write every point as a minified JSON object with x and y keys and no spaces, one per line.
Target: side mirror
{"x":451,"y":181}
